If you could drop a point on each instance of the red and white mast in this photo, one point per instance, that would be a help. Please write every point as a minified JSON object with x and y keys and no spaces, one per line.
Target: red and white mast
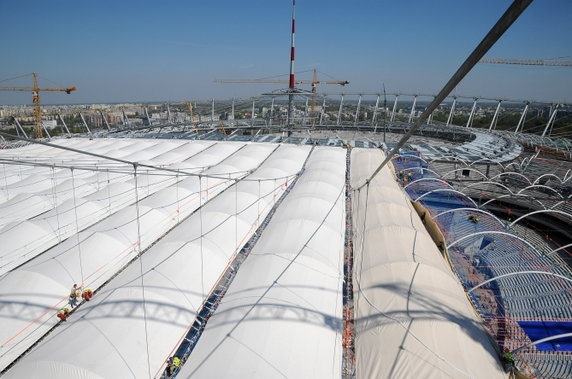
{"x":292,"y":46}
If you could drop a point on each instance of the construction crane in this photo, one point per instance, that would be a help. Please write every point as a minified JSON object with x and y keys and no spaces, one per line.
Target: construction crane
{"x":35,"y":89}
{"x":528,"y":62}
{"x":313,"y":82}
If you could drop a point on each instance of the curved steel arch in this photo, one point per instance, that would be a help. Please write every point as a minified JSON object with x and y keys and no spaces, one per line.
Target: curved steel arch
{"x":560,"y":248}
{"x":428,"y":179}
{"x":446,"y":190}
{"x":547,"y":174}
{"x":567,"y":176}
{"x":465,"y":168}
{"x":408,"y":156}
{"x":492,"y":232}
{"x":541,"y":186}
{"x":422,"y":169}
{"x":487,"y":160}
{"x":455,"y":157}
{"x":516,"y":194}
{"x":518,"y":273}
{"x":551,"y":338}
{"x":471,"y":210}
{"x":490,"y":182}
{"x":512,"y":173}
{"x":541,"y":211}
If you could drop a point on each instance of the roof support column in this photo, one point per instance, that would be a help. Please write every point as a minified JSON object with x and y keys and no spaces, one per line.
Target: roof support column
{"x":520,"y":124}
{"x":472,"y":114}
{"x":357,"y":111}
{"x":340,"y":110}
{"x":323,"y":110}
{"x":412,"y":109}
{"x":375,"y":112}
{"x":394,"y":108}
{"x":450,"y":118}
{"x":551,"y":120}
{"x":495,"y":117}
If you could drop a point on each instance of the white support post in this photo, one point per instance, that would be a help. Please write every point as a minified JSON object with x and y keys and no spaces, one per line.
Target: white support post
{"x":323,"y":110}
{"x":340,"y":110}
{"x":412,"y":109}
{"x":271,"y":112}
{"x":232,"y":109}
{"x":520,"y":124}
{"x":375,"y":111}
{"x":46,"y":130}
{"x":450,"y":118}
{"x":168,"y":114}
{"x":212,"y":110}
{"x":495,"y":117}
{"x":146,"y":116}
{"x":104,"y":120}
{"x":357,"y":111}
{"x":472,"y":114}
{"x":305,"y":112}
{"x":85,"y":123}
{"x":394,"y":109}
{"x":20,"y":126}
{"x":550,"y":122}
{"x":430,"y":118}
{"x":251,"y":114}
{"x":65,"y":126}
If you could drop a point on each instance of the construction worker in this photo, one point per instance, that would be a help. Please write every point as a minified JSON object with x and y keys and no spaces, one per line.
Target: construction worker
{"x":87,"y":294}
{"x":63,"y":314}
{"x":74,"y":295}
{"x":176,"y":363}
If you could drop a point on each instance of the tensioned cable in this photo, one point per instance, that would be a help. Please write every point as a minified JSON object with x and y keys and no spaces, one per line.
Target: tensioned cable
{"x":77,"y":227}
{"x":506,"y":20}
{"x":141,"y":268}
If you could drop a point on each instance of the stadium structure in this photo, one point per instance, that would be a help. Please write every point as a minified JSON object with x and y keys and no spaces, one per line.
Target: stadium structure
{"x":281,"y":255}
{"x":369,"y":242}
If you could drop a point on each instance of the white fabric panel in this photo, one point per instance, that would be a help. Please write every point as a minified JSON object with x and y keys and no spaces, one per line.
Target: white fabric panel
{"x":105,"y":247}
{"x":282,"y":315}
{"x":412,"y":316}
{"x":70,"y":216}
{"x":107,"y":337}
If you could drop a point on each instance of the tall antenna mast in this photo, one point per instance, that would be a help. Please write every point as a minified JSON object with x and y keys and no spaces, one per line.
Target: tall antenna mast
{"x":291,"y":88}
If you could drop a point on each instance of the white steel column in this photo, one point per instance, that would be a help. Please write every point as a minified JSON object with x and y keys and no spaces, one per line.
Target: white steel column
{"x":252,"y":114}
{"x":495,"y":117}
{"x":305,"y":112}
{"x":323,"y":110}
{"x":85,"y":123}
{"x":66,"y":127}
{"x":520,"y":124}
{"x":271,"y":112}
{"x":340,"y":110}
{"x":357,"y":110}
{"x":412,"y":109}
{"x":394,"y":109}
{"x":450,"y":118}
{"x":375,"y":111}
{"x":550,"y":121}
{"x":212,"y":111}
{"x":104,"y":120}
{"x":232,"y":109}
{"x":472,"y":114}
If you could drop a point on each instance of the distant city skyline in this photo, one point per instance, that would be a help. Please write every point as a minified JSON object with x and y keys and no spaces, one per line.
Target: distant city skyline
{"x":140,"y":51}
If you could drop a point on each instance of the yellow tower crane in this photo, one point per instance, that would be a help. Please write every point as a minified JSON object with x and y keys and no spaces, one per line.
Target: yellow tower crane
{"x":314,"y":82}
{"x":35,"y":89}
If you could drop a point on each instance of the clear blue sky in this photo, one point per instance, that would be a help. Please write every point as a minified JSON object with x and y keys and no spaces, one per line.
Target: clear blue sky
{"x":147,"y":50}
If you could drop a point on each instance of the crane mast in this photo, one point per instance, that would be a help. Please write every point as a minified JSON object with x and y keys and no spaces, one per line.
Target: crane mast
{"x":35,"y":89}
